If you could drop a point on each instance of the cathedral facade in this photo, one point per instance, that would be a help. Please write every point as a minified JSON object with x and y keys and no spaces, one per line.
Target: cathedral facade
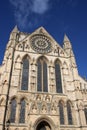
{"x":40,"y":88}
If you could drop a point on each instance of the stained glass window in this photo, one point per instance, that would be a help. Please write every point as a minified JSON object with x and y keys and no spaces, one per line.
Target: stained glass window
{"x":58,"y":78}
{"x":39,"y":76}
{"x":13,"y":110}
{"x":85,"y":112}
{"x":42,"y":78}
{"x":22,"y":112}
{"x":45,"y":88}
{"x":61,"y":112}
{"x":69,"y":114}
{"x":25,"y":74}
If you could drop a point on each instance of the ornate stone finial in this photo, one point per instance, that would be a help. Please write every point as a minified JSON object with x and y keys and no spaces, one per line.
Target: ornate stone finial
{"x":41,"y":30}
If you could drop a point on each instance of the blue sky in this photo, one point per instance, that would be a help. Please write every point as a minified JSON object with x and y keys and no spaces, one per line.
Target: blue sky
{"x":58,"y":17}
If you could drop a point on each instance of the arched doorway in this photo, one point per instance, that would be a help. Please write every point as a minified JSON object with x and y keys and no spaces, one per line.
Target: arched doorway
{"x":43,"y":126}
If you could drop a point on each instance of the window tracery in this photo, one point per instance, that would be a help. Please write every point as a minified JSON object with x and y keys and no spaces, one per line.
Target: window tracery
{"x":42,"y":78}
{"x":25,"y":74}
{"x":58,"y":78}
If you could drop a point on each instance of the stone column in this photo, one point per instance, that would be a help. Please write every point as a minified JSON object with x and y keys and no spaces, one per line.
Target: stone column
{"x":82,"y":116}
{"x":74,"y":116}
{"x":17,"y":112}
{"x":33,"y":77}
{"x":52,"y":78}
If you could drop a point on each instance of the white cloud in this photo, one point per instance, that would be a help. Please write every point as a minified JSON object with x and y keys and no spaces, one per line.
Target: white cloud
{"x":40,"y":6}
{"x":24,"y":8}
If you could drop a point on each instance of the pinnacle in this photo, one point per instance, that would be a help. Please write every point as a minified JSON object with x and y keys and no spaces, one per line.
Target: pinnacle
{"x":15,"y":29}
{"x":66,"y":39}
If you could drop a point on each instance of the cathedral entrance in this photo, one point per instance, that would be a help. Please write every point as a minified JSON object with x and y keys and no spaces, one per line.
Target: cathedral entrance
{"x":43,"y":126}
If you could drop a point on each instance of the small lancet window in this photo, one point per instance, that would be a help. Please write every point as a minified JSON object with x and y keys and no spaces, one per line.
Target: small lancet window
{"x":13,"y":110}
{"x":61,"y":112}
{"x":85,"y":112}
{"x":25,"y":74}
{"x":58,"y":78}
{"x":69,"y":114}
{"x":22,"y":111}
{"x":42,"y":78}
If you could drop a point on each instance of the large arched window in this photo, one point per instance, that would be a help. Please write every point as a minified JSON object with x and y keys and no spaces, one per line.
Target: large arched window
{"x":42,"y":78}
{"x":22,"y":111}
{"x":61,"y":112}
{"x":13,"y":110}
{"x":85,"y":112}
{"x":58,"y":78}
{"x":25,"y":74}
{"x":69,"y":113}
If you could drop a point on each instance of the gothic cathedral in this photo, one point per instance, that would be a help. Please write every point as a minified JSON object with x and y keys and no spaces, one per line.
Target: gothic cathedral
{"x":40,"y":88}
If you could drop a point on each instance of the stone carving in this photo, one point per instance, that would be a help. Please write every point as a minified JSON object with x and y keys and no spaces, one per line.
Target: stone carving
{"x":44,"y":108}
{"x":47,"y":98}
{"x":20,"y":47}
{"x":34,"y":108}
{"x":38,"y":97}
{"x":53,"y":109}
{"x":41,"y":31}
{"x":24,"y":46}
{"x":58,"y":51}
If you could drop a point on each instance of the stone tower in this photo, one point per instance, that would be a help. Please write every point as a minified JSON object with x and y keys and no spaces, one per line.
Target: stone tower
{"x":40,"y":87}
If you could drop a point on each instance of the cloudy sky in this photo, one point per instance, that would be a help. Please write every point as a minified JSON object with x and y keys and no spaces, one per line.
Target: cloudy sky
{"x":58,"y":17}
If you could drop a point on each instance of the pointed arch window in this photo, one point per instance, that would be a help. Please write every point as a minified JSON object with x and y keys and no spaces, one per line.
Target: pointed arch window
{"x":25,"y":74}
{"x":61,"y":112}
{"x":42,"y":78}
{"x":22,"y":111}
{"x":85,"y":112}
{"x":13,"y":110}
{"x":69,"y":113}
{"x":58,"y":78}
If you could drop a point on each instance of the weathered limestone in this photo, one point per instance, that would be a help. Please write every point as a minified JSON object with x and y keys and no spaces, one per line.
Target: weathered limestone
{"x":41,"y":107}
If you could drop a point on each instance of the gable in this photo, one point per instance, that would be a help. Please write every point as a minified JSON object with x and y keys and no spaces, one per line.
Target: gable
{"x":40,"y":41}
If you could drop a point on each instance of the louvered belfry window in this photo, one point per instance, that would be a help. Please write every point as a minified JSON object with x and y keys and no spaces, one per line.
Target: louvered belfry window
{"x":25,"y":74}
{"x":42,"y":78}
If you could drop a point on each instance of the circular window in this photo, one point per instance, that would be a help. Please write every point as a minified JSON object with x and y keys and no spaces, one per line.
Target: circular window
{"x":41,"y":43}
